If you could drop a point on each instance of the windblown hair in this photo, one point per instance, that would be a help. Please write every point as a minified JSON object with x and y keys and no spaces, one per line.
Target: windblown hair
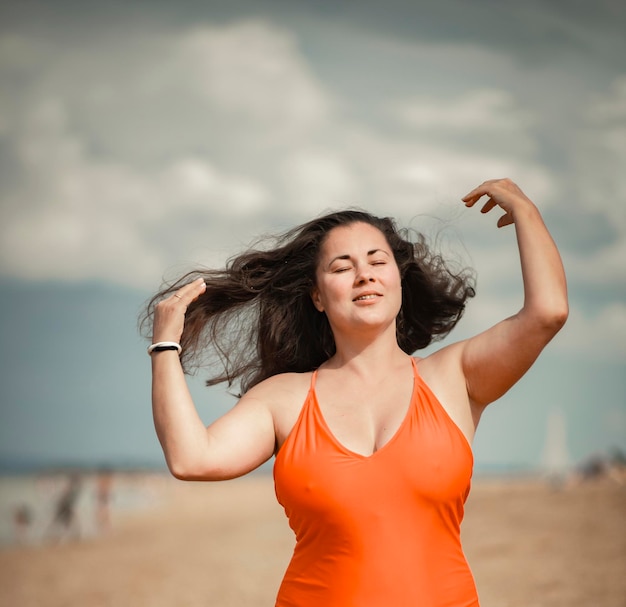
{"x":257,"y":316}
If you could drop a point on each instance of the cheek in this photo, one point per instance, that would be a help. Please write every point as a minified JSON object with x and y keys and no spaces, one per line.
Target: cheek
{"x":327,"y":293}
{"x":398,"y":288}
{"x":394,"y":278}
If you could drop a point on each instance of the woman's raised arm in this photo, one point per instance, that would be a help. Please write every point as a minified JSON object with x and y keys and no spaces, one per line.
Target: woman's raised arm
{"x":235,"y":444}
{"x":494,"y":360}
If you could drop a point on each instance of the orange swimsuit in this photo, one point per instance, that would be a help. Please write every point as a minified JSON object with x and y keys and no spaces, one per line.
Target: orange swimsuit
{"x":380,"y":530}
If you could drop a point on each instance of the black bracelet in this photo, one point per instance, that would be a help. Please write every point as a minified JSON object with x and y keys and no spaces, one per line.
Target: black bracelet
{"x":164,"y":345}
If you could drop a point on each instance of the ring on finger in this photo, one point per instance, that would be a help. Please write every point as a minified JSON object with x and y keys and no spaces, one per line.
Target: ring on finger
{"x":177,"y":295}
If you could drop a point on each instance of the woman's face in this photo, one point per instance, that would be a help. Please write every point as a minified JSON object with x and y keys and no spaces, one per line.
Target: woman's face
{"x":357,"y":279}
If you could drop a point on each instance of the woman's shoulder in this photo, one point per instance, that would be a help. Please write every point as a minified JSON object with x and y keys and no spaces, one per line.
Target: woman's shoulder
{"x":282,"y":388}
{"x":442,"y":361}
{"x":284,"y":395}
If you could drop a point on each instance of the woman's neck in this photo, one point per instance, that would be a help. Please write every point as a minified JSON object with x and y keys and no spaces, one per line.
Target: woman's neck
{"x":365,"y":355}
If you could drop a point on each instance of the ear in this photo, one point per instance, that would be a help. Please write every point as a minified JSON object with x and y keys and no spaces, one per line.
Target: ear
{"x":317,"y":300}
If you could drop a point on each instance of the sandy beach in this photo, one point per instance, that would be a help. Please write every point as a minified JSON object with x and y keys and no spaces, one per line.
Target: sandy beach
{"x":227,"y":545}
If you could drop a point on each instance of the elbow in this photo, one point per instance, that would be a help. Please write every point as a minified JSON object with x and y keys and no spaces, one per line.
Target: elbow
{"x":177,"y":470}
{"x":195,"y":470}
{"x":555,"y":317}
{"x":184,"y":471}
{"x":179,"y":473}
{"x":184,"y":462}
{"x":561,"y":317}
{"x":559,"y":314}
{"x":547,"y":319}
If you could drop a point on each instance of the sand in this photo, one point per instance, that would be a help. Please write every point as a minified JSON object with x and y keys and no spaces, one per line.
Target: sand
{"x":227,"y":545}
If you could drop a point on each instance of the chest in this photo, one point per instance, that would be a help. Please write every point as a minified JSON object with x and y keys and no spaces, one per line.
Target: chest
{"x":427,"y":459}
{"x":363,"y":418}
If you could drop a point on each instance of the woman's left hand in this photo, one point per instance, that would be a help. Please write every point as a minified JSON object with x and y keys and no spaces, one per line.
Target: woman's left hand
{"x":503,"y":193}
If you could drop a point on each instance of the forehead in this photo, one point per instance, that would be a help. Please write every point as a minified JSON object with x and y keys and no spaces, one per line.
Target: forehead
{"x":352,"y":238}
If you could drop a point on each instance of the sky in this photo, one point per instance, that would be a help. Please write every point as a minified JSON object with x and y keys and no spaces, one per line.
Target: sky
{"x":141,"y":139}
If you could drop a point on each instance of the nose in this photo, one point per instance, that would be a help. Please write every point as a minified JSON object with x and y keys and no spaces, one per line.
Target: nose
{"x":364,"y":274}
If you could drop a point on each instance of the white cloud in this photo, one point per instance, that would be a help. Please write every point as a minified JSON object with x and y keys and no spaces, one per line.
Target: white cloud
{"x":253,"y":71}
{"x":600,"y":155}
{"x":76,"y":214}
{"x":477,"y":109}
{"x":78,"y":218}
{"x":443,"y":170}
{"x":491,"y":137}
{"x":410,"y":177}
{"x":315,"y":179}
{"x":193,"y":183}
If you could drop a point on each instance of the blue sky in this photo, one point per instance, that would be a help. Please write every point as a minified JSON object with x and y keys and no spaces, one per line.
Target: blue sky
{"x":139,"y":140}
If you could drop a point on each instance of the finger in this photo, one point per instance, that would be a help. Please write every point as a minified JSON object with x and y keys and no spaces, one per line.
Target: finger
{"x":482,"y":190}
{"x":505,"y":220}
{"x":190,"y":292}
{"x":485,"y":186}
{"x":473,"y":197}
{"x":488,"y":205}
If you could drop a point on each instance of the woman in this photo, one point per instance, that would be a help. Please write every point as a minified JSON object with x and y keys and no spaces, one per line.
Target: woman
{"x":373,"y":457}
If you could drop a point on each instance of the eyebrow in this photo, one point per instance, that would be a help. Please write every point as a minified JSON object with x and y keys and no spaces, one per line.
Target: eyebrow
{"x":346,"y":256}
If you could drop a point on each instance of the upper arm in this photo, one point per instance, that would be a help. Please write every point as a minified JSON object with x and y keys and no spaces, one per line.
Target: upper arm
{"x":242,"y":439}
{"x":239,"y":441}
{"x":496,"y":359}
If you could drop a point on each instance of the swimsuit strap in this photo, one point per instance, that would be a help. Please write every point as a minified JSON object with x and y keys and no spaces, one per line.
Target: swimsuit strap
{"x":313,"y":378}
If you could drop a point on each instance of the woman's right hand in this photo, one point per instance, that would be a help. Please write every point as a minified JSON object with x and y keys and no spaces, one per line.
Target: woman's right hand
{"x":169,"y":314}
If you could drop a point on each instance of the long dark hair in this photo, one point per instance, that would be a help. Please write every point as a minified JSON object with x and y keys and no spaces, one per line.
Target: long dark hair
{"x":257,"y":319}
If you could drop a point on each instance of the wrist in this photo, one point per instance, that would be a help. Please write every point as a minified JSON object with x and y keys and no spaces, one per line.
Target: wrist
{"x":164,"y":346}
{"x":527,"y":211}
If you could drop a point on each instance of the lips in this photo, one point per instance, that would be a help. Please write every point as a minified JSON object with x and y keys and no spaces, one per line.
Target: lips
{"x":367,"y":296}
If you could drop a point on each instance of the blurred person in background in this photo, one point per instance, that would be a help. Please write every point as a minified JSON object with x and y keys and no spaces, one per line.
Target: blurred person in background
{"x":22,"y":521}
{"x":64,"y":523}
{"x":104,"y":487}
